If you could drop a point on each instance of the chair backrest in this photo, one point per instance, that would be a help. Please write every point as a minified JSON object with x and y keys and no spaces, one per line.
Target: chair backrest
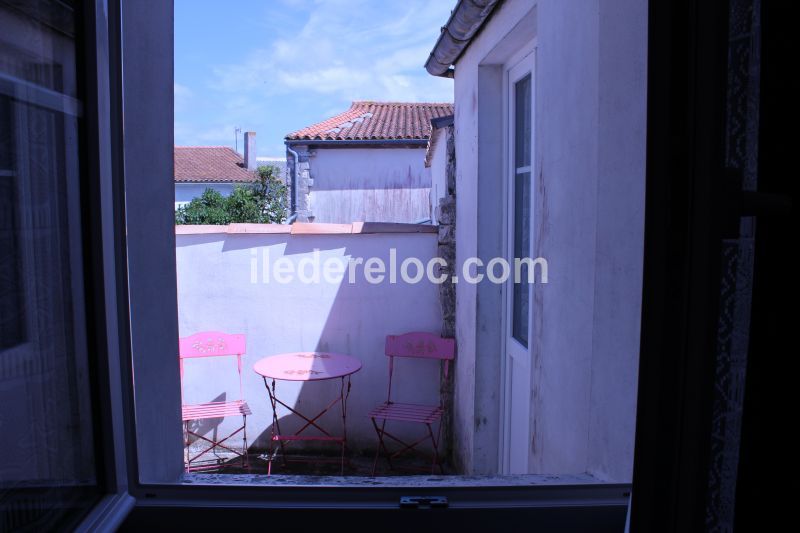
{"x":213,"y":344}
{"x":419,"y":345}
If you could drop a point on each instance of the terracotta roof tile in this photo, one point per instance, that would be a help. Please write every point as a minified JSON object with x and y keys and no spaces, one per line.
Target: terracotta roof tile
{"x":210,"y":164}
{"x":377,"y":121}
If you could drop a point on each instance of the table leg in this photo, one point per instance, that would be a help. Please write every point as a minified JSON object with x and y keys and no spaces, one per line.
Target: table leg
{"x":275,"y":434}
{"x":344,"y":395}
{"x":277,"y":423}
{"x":276,"y":428}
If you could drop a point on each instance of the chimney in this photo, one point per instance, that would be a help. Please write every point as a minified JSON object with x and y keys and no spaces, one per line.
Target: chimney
{"x":250,"y":150}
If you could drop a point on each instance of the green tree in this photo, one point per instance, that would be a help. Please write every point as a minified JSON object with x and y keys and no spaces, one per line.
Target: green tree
{"x":263,"y":202}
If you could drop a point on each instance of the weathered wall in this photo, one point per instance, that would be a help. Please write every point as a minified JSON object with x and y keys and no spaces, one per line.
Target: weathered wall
{"x":620,"y":234}
{"x":438,"y":169}
{"x":369,"y":184}
{"x":215,"y":291}
{"x":480,"y":218}
{"x":445,"y":213}
{"x":588,"y":220}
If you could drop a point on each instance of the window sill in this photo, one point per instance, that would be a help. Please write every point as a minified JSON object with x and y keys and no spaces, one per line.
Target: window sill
{"x":309,"y":228}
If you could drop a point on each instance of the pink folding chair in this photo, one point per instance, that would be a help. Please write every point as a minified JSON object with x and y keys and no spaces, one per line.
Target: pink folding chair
{"x":213,"y":344}
{"x":419,"y":345}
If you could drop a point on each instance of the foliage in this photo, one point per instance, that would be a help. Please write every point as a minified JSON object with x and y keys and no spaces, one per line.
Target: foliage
{"x":264,"y":202}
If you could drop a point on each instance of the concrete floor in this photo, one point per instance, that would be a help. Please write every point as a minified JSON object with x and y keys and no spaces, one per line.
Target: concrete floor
{"x":410,"y":471}
{"x":329,"y":465}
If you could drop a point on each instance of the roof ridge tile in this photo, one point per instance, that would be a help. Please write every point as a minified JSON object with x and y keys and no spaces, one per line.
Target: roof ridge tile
{"x":375,"y":120}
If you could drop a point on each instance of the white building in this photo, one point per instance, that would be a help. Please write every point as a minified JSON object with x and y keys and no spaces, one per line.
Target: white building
{"x":364,"y":165}
{"x":220,"y":168}
{"x":550,"y":162}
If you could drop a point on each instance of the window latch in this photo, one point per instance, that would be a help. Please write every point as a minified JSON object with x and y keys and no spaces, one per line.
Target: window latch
{"x":422,"y":502}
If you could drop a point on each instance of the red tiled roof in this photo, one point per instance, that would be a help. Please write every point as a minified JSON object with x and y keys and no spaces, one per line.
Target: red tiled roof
{"x":209,"y":164}
{"x":376,"y":121}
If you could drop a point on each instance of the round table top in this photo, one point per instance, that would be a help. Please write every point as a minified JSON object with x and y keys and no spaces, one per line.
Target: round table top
{"x":307,"y":366}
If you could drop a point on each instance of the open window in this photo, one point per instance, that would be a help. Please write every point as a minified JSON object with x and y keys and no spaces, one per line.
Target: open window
{"x":557,"y":109}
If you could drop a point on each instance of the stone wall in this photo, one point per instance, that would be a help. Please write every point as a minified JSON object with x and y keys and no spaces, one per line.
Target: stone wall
{"x":446,"y":217}
{"x":302,"y":184}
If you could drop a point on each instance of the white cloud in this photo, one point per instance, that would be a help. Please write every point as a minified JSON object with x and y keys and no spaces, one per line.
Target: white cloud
{"x":217,"y":135}
{"x":341,"y":51}
{"x":326,"y":80}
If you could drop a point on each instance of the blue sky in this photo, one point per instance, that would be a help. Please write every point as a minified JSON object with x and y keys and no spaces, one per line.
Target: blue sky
{"x":275,"y":66}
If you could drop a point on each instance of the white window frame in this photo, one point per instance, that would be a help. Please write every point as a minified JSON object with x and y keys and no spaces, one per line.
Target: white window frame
{"x":517,"y":67}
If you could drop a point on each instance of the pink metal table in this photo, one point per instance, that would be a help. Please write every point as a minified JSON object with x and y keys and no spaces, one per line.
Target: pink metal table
{"x":307,"y":366}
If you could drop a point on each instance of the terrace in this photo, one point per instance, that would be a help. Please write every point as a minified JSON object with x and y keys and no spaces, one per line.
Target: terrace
{"x":227,"y":281}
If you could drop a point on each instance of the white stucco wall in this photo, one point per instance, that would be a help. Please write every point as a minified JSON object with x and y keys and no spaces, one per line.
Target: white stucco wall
{"x":588,"y":199}
{"x":369,"y":185}
{"x":619,"y":239}
{"x":186,"y":192}
{"x":215,"y":293}
{"x":480,"y":220}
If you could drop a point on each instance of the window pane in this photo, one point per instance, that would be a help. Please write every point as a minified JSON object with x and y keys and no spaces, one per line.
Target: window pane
{"x":522,"y":127}
{"x":47,"y":466}
{"x":522,"y":204}
{"x":12,"y":327}
{"x":522,"y":198}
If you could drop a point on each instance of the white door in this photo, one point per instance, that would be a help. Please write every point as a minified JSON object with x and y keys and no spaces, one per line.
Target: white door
{"x":517,"y":356}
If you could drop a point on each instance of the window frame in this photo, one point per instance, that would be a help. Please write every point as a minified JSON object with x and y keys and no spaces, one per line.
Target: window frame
{"x":524,"y":60}
{"x":496,"y":493}
{"x":93,"y":112}
{"x":107,"y":259}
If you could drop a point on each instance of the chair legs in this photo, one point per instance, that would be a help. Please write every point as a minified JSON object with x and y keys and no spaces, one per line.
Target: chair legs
{"x":186,"y":443}
{"x":245,"y":459}
{"x":406,"y":447}
{"x":381,"y":445}
{"x":189,"y":460}
{"x":435,"y":442}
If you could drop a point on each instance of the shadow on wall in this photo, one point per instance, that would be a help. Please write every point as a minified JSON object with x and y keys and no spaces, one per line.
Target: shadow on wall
{"x":224,"y":283}
{"x":206,"y":426}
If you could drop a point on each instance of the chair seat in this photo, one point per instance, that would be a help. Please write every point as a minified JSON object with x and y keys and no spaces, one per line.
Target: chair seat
{"x":408,"y":412}
{"x":202,"y":411}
